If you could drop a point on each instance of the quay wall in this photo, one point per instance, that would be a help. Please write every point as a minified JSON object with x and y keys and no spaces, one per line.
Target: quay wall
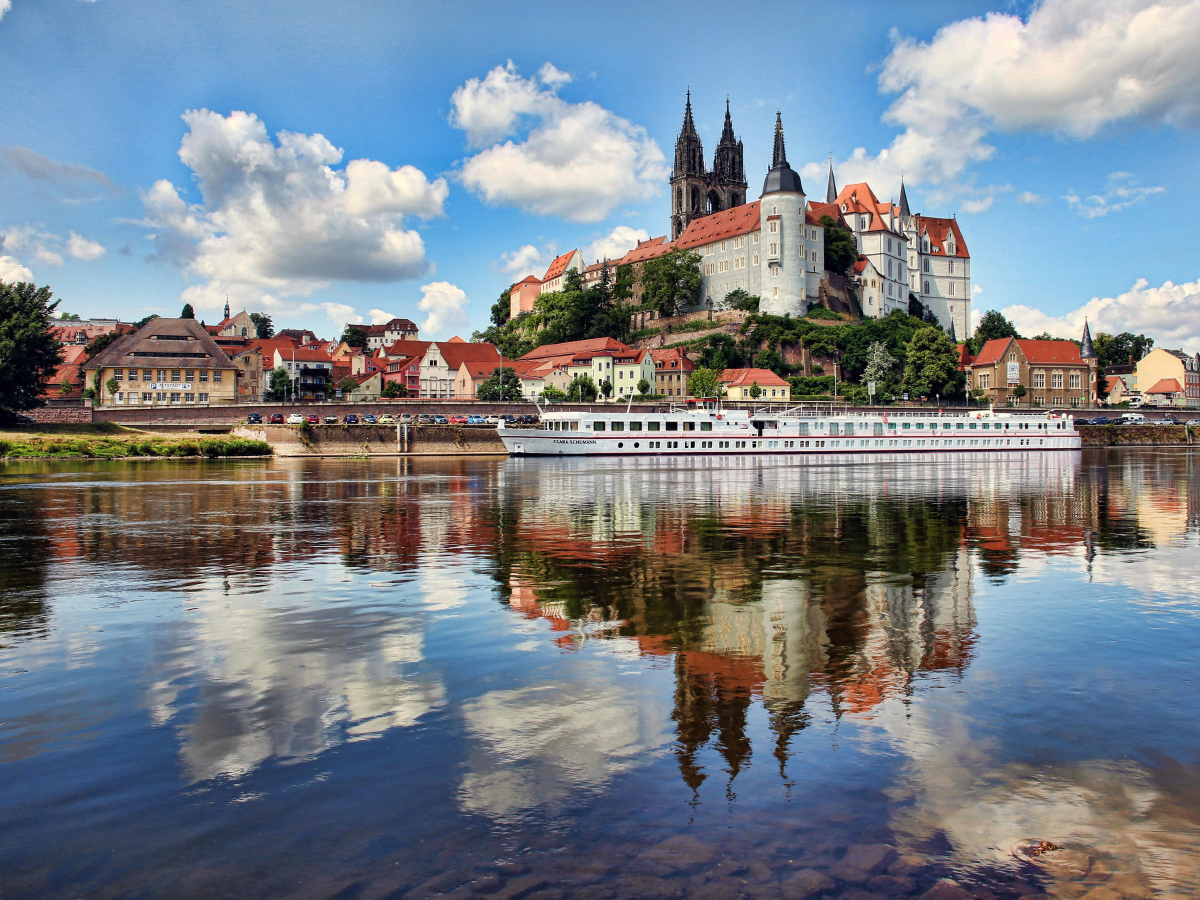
{"x":376,"y":440}
{"x":1135,"y":435}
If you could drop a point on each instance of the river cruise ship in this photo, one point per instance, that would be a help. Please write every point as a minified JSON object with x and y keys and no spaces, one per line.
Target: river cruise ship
{"x":705,"y":427}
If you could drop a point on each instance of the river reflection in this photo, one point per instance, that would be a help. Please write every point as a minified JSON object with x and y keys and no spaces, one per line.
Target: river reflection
{"x":601,"y":678}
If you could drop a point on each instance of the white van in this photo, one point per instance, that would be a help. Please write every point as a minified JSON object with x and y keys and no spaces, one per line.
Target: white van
{"x":1133,"y":419}
{"x":1136,"y":401}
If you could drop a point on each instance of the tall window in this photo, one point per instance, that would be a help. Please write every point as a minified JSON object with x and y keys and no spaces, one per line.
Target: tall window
{"x":926,"y":287}
{"x":950,"y":263}
{"x":926,"y":265}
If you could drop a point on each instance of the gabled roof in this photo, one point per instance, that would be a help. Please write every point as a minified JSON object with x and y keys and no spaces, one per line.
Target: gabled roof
{"x":575,"y":348}
{"x":1036,"y":353}
{"x":1165,"y":386}
{"x":663,"y":358}
{"x":651,"y":249}
{"x":558,"y":266}
{"x":747,"y":377}
{"x":408,"y":348}
{"x":159,"y":343}
{"x":304,"y":354}
{"x":816,"y":210}
{"x":532,"y":279}
{"x":964,"y":357}
{"x":475,"y":356}
{"x":938,"y":230}
{"x":992,"y":352}
{"x":720,"y":225}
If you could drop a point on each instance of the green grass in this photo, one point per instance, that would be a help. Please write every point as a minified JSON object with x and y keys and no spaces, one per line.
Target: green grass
{"x":69,"y":428}
{"x":36,"y":446}
{"x":820,"y":312}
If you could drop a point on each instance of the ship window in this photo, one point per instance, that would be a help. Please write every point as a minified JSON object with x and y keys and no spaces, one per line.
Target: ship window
{"x":652,"y":426}
{"x":599,"y":426}
{"x":959,"y":426}
{"x":973,"y":426}
{"x":907,"y":425}
{"x":618,"y":426}
{"x":706,"y":426}
{"x":672,"y":426}
{"x":689,"y":426}
{"x":635,"y":426}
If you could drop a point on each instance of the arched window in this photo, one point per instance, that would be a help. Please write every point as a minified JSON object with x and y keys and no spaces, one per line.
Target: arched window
{"x":952,"y":289}
{"x":243,"y":332}
{"x":889,"y":245}
{"x":862,"y":224}
{"x":927,"y":287}
{"x":926,"y":266}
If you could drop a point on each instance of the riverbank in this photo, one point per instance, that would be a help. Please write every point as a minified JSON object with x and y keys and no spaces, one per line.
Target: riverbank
{"x":104,"y":440}
{"x":1136,"y":435}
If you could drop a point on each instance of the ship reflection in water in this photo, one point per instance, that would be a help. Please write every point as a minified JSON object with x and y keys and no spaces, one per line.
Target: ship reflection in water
{"x":602,"y":678}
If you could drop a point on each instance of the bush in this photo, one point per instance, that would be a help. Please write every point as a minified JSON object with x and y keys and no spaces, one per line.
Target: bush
{"x":805,"y":386}
{"x":820,"y":312}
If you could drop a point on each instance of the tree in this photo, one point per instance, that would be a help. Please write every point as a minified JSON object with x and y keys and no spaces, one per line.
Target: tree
{"x":1121,"y":350}
{"x":347,"y":385}
{"x":550,"y":392}
{"x":582,"y":389}
{"x":112,"y":386}
{"x":672,"y":282}
{"x":501,"y":308}
{"x":279,"y":385}
{"x":643,"y":387}
{"x":932,"y":365}
{"x":142,"y":323}
{"x":393,"y":389}
{"x":881,"y":369}
{"x":703,"y":383}
{"x":739,"y":299}
{"x":606,"y":388}
{"x":841,"y":250}
{"x":28,"y":351}
{"x":755,"y":391}
{"x":187,"y":312}
{"x":264,"y":328}
{"x":68,"y":317}
{"x":622,"y":290}
{"x":66,"y":387}
{"x":992,"y":326}
{"x":771,"y":359}
{"x":1019,"y":391}
{"x":502,"y":385}
{"x":101,"y":342}
{"x":354,"y":336}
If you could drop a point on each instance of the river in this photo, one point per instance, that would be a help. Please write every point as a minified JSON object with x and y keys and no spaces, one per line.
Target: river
{"x":509,"y":678}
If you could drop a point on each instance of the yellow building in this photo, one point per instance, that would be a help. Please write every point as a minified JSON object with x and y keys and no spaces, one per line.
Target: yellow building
{"x":1160,"y":366}
{"x":168,"y":362}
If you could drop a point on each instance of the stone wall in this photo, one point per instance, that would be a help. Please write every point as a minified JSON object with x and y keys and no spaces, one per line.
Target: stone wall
{"x":1135,"y":435}
{"x":376,"y":440}
{"x":60,"y":414}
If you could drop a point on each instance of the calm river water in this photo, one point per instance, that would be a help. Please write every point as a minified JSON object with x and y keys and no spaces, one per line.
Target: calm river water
{"x":597,"y":679}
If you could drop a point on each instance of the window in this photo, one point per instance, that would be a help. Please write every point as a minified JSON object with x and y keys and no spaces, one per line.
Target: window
{"x":952,"y":289}
{"x":755,"y":237}
{"x":773,"y":228}
{"x":710,"y":249}
{"x":950,"y":264}
{"x":174,"y":375}
{"x":203,"y":398}
{"x":773,"y":250}
{"x":862,"y":224}
{"x":926,"y":287}
{"x":133,"y":374}
{"x":174,"y":398}
{"x":706,"y":426}
{"x":1076,"y":381}
{"x":119,"y":374}
{"x":189,"y":375}
{"x":599,"y":426}
{"x":1056,"y":381}
{"x":723,"y":266}
{"x":739,"y":242}
{"x":147,"y":397}
{"x":635,"y":426}
{"x":925,"y":266}
{"x":189,"y":398}
{"x":756,"y":259}
{"x":217,"y":376}
{"x":1039,"y":379}
{"x":723,"y":243}
{"x":618,"y":426}
{"x":652,"y":426}
{"x":889,"y":245}
{"x":774,"y":210}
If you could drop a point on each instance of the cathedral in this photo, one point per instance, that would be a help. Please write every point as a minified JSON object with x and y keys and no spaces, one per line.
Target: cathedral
{"x":695,"y":190}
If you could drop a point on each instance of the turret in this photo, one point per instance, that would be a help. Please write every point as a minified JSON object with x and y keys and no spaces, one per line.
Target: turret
{"x":782,"y":215}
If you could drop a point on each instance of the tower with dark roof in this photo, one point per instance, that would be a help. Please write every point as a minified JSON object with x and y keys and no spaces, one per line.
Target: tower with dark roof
{"x":831,"y":190}
{"x":696,"y":191}
{"x":784,"y":251}
{"x":1087,"y":351}
{"x":728,"y":181}
{"x":904,"y":212}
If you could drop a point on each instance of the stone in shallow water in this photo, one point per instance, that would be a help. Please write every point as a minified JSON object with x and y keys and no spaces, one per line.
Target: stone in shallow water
{"x":680,"y":852}
{"x":1102,"y":893}
{"x":892,"y":884}
{"x":1071,"y":864}
{"x":843,"y":871}
{"x":907,"y":865}
{"x":806,"y":883}
{"x":946,"y":890}
{"x":873,"y":858}
{"x":1129,"y":886}
{"x":520,"y":887}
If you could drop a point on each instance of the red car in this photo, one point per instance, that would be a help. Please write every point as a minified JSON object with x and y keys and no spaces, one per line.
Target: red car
{"x":314,"y":420}
{"x":276,"y":419}
{"x":458,"y":420}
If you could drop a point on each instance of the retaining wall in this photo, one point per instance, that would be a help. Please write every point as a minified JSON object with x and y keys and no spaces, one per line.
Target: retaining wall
{"x":61,"y":414}
{"x":1135,"y":435}
{"x":377,"y":440}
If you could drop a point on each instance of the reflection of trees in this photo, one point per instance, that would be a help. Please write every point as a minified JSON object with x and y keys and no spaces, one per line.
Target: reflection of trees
{"x":25,"y":552}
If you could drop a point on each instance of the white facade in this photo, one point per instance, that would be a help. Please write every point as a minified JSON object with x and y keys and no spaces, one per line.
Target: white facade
{"x":940,"y":276}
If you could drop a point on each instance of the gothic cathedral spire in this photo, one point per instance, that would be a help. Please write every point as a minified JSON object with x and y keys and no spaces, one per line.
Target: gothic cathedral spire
{"x":696,"y":191}
{"x":904,"y":212}
{"x":831,"y":190}
{"x":779,"y":158}
{"x":689,"y":152}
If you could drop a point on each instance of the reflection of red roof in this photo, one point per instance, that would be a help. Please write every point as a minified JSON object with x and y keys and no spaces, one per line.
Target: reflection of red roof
{"x":1165,"y":386}
{"x":717,"y":226}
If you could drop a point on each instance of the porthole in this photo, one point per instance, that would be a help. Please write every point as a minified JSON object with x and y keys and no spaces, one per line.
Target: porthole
{"x":620,"y":445}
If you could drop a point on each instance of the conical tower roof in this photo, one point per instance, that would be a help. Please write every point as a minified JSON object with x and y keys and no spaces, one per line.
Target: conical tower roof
{"x":831,"y":190}
{"x":904,"y":213}
{"x":727,"y":137}
{"x":781,"y":176}
{"x":1087,"y":351}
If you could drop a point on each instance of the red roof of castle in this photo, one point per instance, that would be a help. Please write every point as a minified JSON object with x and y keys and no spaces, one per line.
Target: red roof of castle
{"x":575,"y":348}
{"x":558,"y":266}
{"x":645,"y":250}
{"x":939,"y":230}
{"x":716,"y":226}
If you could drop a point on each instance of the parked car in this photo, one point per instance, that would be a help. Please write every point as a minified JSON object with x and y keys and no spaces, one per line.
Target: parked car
{"x":1132,"y":418}
{"x":508,"y":419}
{"x":1136,"y":401}
{"x":254,"y":419}
{"x":1169,"y":420}
{"x":405,"y":418}
{"x":1079,"y":422}
{"x":331,"y":420}
{"x":1194,"y":423}
{"x":276,"y":419}
{"x":369,"y":419}
{"x":493,"y":420}
{"x":529,"y":419}
{"x":476,"y":420}
{"x":440,"y":420}
{"x":1102,"y":420}
{"x":350,"y":419}
{"x":458,"y":420}
{"x":387,"y":419}
{"x":424,"y":419}
{"x":314,"y":420}
{"x":295,"y":419}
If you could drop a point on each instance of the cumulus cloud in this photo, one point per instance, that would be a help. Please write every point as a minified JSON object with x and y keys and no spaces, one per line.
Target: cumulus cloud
{"x":11,"y":270}
{"x":525,"y":261}
{"x":1074,"y":69}
{"x":381,"y":317}
{"x":5,"y":6}
{"x":446,"y":308}
{"x":48,"y":248}
{"x":616,"y":243}
{"x":1030,"y":197}
{"x":82,"y":248}
{"x":1170,"y":314}
{"x":1121,"y":191}
{"x":278,"y":220}
{"x":577,"y":161}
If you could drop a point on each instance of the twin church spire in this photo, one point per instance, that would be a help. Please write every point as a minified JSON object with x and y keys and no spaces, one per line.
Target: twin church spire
{"x":695,"y":189}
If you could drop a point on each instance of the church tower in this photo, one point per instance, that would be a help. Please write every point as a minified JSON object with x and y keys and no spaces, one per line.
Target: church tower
{"x":728,"y":176}
{"x":689,"y":180}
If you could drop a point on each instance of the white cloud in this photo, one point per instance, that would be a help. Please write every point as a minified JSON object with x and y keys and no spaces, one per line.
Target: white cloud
{"x":1121,"y":191}
{"x":380,"y":317}
{"x":445,"y":305}
{"x":277,"y":220}
{"x":578,"y":161}
{"x":81,"y":248}
{"x":78,"y":182}
{"x":1074,"y":68}
{"x":615,"y":244}
{"x":1030,"y":197}
{"x":525,"y":261}
{"x":976,"y":290}
{"x":1170,"y":314}
{"x":551,"y":76}
{"x":12,"y":271}
{"x":5,"y":6}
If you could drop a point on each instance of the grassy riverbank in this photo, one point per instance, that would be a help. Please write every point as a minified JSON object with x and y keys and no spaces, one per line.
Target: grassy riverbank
{"x":114,"y":442}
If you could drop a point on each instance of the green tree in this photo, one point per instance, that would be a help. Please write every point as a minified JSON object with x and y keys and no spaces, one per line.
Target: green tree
{"x":66,"y":387}
{"x":643,"y":387}
{"x":187,"y":312}
{"x":279,"y":385}
{"x":28,"y":351}
{"x":501,"y":308}
{"x":622,"y":290}
{"x":112,"y":386}
{"x":552,"y":393}
{"x":739,"y":299}
{"x":671,"y":282}
{"x":606,"y":388}
{"x":932,"y":365}
{"x":502,"y":385}
{"x":68,"y":317}
{"x":881,"y":369}
{"x":703,"y":383}
{"x":841,"y":250}
{"x":347,"y":385}
{"x":92,"y":350}
{"x":1019,"y":391}
{"x":755,"y":391}
{"x":1120,"y":349}
{"x":353,"y":336}
{"x":992,"y":326}
{"x":142,"y":323}
{"x":393,"y":389}
{"x":264,"y":328}
{"x":582,"y":389}
{"x":771,"y":359}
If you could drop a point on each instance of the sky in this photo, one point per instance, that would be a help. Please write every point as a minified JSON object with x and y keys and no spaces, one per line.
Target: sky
{"x":330,"y":163}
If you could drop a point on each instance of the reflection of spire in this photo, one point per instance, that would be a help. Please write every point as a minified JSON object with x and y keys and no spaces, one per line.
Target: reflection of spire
{"x":711,"y":696}
{"x":787,"y":719}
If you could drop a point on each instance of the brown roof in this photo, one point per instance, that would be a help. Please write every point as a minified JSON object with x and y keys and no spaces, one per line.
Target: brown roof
{"x":575,"y":348}
{"x":663,"y":359}
{"x":477,"y":356}
{"x":558,"y":266}
{"x":747,"y":377}
{"x":1165,"y":386}
{"x":178,"y":343}
{"x":725,"y":224}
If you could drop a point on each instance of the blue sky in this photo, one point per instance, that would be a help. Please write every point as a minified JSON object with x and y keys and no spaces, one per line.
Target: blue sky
{"x":425,"y":173}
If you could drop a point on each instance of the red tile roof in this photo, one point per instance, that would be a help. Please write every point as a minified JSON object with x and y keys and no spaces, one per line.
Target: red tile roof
{"x":964,"y":357}
{"x":747,"y":377}
{"x":304,"y":354}
{"x":1165,"y":386}
{"x":478,"y":357}
{"x":532,"y":279}
{"x":651,"y":249}
{"x":574,"y":348}
{"x":1037,"y":353}
{"x":558,"y":266}
{"x":717,"y":226}
{"x":939,"y":230}
{"x":664,"y":358}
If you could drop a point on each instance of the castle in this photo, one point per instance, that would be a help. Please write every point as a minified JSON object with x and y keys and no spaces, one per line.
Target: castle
{"x":773,"y":248}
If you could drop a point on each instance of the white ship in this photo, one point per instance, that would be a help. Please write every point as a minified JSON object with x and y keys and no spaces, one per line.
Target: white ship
{"x":705,"y":428}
